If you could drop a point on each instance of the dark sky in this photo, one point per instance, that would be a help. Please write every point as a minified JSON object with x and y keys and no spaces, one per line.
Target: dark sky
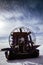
{"x":33,"y":6}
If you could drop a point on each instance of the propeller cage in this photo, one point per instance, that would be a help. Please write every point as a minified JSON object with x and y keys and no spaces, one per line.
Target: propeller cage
{"x":21,"y":36}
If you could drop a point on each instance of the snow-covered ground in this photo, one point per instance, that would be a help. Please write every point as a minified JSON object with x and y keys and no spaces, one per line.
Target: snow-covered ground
{"x":30,"y":61}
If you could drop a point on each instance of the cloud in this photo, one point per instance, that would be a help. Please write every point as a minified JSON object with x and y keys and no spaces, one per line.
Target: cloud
{"x":13,"y":20}
{"x":17,"y":13}
{"x":39,"y":39}
{"x":41,"y":50}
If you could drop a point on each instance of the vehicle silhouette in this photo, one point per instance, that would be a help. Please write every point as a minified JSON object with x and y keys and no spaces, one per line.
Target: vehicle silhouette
{"x":21,"y":44}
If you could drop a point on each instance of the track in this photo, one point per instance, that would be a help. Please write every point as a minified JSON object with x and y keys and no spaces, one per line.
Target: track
{"x":31,"y":61}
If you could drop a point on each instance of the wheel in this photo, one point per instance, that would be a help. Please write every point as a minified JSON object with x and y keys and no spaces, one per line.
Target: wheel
{"x":35,"y":53}
{"x":10,"y":55}
{"x":7,"y":54}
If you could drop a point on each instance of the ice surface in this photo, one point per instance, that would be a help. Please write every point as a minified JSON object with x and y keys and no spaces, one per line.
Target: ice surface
{"x":32,"y":61}
{"x":29,"y":61}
